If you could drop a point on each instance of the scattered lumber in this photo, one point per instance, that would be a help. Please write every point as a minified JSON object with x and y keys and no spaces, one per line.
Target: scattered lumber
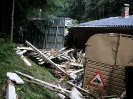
{"x":83,"y":90}
{"x":24,"y":48}
{"x":62,"y":60}
{"x":68,"y":64}
{"x":25,"y":60}
{"x":20,"y":53}
{"x":11,"y":92}
{"x":45,"y":58}
{"x":43,"y":82}
{"x":73,"y":94}
{"x":14,"y":77}
{"x":50,"y":88}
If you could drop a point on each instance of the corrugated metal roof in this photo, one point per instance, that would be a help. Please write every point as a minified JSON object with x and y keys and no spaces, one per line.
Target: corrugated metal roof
{"x":110,"y":22}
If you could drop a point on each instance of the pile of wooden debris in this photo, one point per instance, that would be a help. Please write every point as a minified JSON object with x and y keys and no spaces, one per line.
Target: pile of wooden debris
{"x":65,"y":64}
{"x":69,"y":63}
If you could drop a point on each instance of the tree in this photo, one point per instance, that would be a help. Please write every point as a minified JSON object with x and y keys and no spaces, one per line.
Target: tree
{"x":12,"y":19}
{"x":24,"y":9}
{"x":86,"y":10}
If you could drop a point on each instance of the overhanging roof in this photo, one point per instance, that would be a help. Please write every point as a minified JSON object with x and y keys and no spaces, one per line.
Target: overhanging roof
{"x":110,"y":22}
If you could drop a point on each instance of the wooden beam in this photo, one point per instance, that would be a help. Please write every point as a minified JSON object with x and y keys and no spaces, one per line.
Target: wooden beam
{"x":83,"y":90}
{"x":48,"y":87}
{"x":11,"y":92}
{"x":25,"y":60}
{"x":45,"y":58}
{"x":14,"y":77}
{"x":43,"y":82}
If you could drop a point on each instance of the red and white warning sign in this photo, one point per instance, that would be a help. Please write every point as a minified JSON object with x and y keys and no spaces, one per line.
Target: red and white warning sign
{"x":97,"y":80}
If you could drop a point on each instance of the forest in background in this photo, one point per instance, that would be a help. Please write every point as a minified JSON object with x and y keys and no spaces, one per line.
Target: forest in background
{"x":14,"y":13}
{"x":86,"y":10}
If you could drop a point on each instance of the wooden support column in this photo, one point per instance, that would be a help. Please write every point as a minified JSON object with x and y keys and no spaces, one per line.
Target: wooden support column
{"x":129,"y":82}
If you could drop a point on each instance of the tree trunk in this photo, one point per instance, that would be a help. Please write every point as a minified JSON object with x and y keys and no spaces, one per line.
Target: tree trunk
{"x":12,"y":20}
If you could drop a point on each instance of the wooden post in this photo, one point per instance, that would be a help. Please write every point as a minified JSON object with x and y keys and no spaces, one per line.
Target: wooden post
{"x":129,"y":82}
{"x":12,"y":19}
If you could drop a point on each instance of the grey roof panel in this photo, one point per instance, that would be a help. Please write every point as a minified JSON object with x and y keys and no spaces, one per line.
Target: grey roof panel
{"x":110,"y":22}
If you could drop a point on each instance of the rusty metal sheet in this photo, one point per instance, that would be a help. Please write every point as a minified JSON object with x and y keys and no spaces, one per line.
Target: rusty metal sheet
{"x":102,"y":48}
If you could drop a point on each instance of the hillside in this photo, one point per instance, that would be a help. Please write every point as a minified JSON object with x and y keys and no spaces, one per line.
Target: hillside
{"x":10,"y":61}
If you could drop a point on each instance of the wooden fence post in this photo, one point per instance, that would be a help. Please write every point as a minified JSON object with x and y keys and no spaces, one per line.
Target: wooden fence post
{"x":129,"y":82}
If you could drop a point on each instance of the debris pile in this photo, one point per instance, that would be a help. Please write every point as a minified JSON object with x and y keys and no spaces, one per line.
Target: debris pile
{"x":65,"y":64}
{"x":69,"y":63}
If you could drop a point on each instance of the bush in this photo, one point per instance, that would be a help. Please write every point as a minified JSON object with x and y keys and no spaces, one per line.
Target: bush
{"x":6,"y":48}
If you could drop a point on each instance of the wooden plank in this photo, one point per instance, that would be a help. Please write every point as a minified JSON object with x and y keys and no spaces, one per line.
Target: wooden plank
{"x":25,"y":60}
{"x":42,"y":82}
{"x":24,"y":48}
{"x":75,"y":94}
{"x":48,"y":87}
{"x":14,"y":77}
{"x":45,"y":58}
{"x":11,"y":92}
{"x":21,"y":52}
{"x":82,"y":90}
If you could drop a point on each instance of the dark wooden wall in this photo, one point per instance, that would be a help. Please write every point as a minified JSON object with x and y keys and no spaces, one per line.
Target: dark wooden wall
{"x":78,"y":36}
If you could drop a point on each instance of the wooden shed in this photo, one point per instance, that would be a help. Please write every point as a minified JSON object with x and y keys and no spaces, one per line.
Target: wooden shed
{"x":82,"y":32}
{"x":108,"y":45}
{"x":107,"y":54}
{"x":46,"y":34}
{"x":78,"y":36}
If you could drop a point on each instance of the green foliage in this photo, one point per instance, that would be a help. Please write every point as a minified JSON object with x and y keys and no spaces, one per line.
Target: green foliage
{"x":80,"y":10}
{"x":6,"y":49}
{"x":10,"y":62}
{"x":24,"y":9}
{"x":86,"y":10}
{"x":74,"y":22}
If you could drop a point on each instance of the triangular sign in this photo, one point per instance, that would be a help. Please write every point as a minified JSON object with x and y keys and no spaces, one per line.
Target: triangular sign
{"x":97,"y":79}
